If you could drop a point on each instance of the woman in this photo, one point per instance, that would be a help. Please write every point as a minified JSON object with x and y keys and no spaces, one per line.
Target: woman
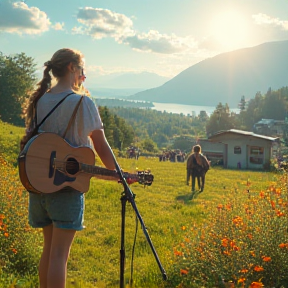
{"x":60,"y":214}
{"x":197,"y":166}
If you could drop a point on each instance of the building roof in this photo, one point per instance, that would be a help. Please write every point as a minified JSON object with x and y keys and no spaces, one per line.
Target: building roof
{"x":243,"y":133}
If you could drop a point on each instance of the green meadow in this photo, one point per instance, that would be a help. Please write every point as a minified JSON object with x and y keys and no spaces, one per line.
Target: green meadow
{"x":234,"y":234}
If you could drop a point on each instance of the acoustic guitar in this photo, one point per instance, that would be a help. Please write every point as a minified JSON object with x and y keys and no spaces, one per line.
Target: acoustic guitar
{"x":48,"y":163}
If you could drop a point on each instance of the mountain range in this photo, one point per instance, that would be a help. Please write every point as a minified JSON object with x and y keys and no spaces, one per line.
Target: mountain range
{"x":225,"y":77}
{"x":120,"y":85}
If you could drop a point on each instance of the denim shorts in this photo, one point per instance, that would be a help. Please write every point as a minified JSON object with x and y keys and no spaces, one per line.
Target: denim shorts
{"x":64,"y":209}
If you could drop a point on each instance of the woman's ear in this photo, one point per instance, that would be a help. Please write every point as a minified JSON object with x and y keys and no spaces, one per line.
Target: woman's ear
{"x":71,"y":67}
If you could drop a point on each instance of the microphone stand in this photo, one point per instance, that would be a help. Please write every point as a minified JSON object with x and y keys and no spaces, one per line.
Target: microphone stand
{"x":127,"y":195}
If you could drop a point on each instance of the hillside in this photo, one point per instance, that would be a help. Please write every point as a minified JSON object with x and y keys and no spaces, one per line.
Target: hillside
{"x":226,"y":77}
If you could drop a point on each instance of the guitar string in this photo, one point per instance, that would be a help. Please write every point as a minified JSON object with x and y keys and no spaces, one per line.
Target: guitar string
{"x":69,"y":164}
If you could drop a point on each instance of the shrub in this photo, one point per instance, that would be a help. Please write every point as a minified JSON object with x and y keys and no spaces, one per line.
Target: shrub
{"x":244,"y":241}
{"x":17,"y":239}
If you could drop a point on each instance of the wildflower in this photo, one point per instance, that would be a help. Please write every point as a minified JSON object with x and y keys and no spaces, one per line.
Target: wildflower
{"x":262,"y":194}
{"x":258,"y":268}
{"x":228,"y":206}
{"x":6,"y":234}
{"x":266,"y":258}
{"x":279,"y":213}
{"x":219,"y":207}
{"x":278,"y":191}
{"x":224,"y":242}
{"x":250,"y":236}
{"x":14,"y":250}
{"x":183,"y":228}
{"x":241,"y":280}
{"x":183,"y":271}
{"x":256,"y":285}
{"x":178,"y":253}
{"x":237,"y":220}
{"x":252,"y":253}
{"x":283,"y":245}
{"x":244,"y":270}
{"x":272,"y":204}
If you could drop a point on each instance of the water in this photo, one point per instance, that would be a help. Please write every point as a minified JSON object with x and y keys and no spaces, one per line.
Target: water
{"x":186,"y":109}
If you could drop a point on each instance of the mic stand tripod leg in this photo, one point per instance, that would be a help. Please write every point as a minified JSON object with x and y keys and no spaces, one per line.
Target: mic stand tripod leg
{"x":122,"y":249}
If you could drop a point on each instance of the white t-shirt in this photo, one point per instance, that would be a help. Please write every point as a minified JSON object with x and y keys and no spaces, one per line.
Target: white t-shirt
{"x":87,"y":118}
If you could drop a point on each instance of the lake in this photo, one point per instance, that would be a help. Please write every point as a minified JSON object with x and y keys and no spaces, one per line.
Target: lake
{"x":186,"y":109}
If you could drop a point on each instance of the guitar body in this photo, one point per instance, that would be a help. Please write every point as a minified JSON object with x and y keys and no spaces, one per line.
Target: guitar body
{"x":46,"y":151}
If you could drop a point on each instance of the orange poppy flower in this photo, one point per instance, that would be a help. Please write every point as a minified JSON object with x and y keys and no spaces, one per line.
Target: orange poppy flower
{"x":241,"y":280}
{"x":256,"y":285}
{"x":183,"y":271}
{"x":266,"y":259}
{"x":244,"y":270}
{"x":258,"y":268}
{"x":224,"y":242}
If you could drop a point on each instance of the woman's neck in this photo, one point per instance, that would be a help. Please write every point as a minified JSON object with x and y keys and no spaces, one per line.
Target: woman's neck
{"x":61,"y":86}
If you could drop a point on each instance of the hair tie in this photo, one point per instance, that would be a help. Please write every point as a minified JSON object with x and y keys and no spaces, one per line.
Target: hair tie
{"x":48,"y":64}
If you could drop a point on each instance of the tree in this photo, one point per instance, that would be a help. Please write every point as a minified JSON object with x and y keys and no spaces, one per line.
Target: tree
{"x":149,"y":145}
{"x":242,"y":103}
{"x":220,"y":120}
{"x":119,"y":134}
{"x":17,"y":79}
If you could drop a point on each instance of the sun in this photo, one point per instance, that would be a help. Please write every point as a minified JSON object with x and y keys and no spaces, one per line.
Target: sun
{"x":230,"y":28}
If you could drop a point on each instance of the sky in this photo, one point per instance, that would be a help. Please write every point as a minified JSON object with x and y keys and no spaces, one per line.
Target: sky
{"x":159,"y":36}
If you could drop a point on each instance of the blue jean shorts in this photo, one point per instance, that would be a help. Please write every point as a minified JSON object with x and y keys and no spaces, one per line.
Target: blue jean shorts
{"x":64,"y":209}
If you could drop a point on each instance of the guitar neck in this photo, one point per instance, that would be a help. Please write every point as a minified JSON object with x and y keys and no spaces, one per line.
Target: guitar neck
{"x":97,"y":171}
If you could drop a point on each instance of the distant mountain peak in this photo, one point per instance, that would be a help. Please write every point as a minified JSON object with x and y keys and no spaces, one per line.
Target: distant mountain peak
{"x":225,"y":77}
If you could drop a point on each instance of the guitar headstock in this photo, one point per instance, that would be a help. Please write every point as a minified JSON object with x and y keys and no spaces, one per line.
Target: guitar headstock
{"x":142,"y":177}
{"x":145,"y":177}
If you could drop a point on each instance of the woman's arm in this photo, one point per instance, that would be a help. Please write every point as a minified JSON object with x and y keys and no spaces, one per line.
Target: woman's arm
{"x":102,"y":148}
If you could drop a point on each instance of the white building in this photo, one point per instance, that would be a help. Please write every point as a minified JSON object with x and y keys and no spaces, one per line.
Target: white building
{"x":246,"y":150}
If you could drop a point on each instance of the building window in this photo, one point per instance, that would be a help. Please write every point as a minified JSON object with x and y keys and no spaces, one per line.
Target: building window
{"x":256,"y":160}
{"x":237,"y":150}
{"x":255,"y":150}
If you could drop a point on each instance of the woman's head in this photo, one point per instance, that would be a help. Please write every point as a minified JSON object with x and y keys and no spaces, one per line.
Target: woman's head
{"x":65,"y":61}
{"x":65,"y":64}
{"x":196,"y":149}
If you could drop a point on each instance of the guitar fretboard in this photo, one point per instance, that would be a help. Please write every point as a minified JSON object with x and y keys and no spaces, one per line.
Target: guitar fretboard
{"x":96,"y":170}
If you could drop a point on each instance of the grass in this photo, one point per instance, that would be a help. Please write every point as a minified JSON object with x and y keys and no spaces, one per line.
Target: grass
{"x":167,"y":210}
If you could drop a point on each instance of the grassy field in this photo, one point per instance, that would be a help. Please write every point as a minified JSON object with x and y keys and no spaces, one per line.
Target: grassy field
{"x":167,"y":210}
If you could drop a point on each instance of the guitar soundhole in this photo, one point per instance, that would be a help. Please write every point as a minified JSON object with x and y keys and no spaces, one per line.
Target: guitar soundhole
{"x":72,"y":166}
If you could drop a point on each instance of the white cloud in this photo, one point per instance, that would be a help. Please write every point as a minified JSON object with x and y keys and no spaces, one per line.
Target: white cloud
{"x":100,"y":23}
{"x":17,"y":17}
{"x":58,"y":26}
{"x":153,"y":41}
{"x":264,"y":19}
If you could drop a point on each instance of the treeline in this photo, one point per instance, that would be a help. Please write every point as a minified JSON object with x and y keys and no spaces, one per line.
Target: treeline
{"x":160,"y":127}
{"x":123,"y":103}
{"x":271,"y":105}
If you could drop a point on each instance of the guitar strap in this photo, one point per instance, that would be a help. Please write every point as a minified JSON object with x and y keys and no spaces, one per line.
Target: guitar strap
{"x":53,"y":109}
{"x":73,"y":116}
